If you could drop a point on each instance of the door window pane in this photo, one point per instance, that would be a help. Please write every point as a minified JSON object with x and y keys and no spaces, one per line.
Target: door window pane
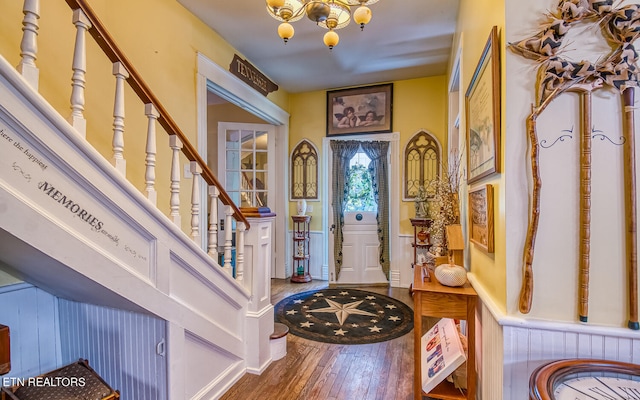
{"x":246,"y":173}
{"x":359,"y":185}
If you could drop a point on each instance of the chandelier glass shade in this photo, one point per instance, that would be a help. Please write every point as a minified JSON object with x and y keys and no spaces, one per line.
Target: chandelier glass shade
{"x":329,"y":14}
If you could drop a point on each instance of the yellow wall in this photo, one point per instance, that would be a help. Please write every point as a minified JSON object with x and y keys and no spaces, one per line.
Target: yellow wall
{"x":417,"y":104}
{"x":475,"y":20}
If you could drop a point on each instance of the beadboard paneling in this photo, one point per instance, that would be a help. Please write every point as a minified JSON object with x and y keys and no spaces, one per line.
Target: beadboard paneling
{"x":121,"y":346}
{"x":490,"y":357}
{"x":31,"y":315}
{"x":526,"y":348}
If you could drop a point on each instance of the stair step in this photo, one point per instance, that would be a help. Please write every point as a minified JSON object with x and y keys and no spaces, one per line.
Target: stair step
{"x":279,"y":341}
{"x":279,"y":330}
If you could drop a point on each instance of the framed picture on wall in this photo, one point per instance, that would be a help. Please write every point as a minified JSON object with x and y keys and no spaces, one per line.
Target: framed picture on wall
{"x":365,"y":109}
{"x":481,"y":217}
{"x":482,"y":107}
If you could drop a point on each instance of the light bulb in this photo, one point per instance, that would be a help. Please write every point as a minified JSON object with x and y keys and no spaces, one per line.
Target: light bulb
{"x":275,"y":3}
{"x":331,"y":39}
{"x":285,"y":31}
{"x":362,"y":16}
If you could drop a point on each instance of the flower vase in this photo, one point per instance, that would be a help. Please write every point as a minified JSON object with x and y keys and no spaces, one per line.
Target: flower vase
{"x":422,"y":236}
{"x":301,"y":207}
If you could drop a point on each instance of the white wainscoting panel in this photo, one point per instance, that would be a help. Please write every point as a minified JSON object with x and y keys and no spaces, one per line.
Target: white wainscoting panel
{"x":127,"y":349}
{"x":491,"y":354}
{"x":195,"y":286}
{"x":206,"y":365}
{"x":513,"y":347}
{"x":32,"y":317}
{"x":318,"y":264}
{"x":526,"y":348}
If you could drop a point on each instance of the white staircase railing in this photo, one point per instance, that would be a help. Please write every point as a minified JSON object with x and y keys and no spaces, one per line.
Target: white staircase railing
{"x":85,"y":20}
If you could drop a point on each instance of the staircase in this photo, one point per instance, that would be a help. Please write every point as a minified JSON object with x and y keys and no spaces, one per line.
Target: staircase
{"x":74,"y":226}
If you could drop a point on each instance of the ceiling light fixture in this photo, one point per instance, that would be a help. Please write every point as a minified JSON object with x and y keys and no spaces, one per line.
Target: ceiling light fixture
{"x":329,"y":14}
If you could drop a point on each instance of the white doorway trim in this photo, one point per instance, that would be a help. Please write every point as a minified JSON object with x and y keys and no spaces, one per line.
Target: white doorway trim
{"x":212,"y":77}
{"x":394,"y":207}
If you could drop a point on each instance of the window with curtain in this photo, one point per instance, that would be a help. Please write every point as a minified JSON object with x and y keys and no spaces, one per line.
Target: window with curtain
{"x":304,"y":171}
{"x":360,"y":193}
{"x":421,"y":164}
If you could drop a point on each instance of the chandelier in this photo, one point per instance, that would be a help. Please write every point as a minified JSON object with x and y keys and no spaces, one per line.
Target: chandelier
{"x":329,"y":14}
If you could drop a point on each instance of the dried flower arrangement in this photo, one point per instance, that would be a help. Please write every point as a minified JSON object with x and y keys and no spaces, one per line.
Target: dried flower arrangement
{"x":444,"y":206}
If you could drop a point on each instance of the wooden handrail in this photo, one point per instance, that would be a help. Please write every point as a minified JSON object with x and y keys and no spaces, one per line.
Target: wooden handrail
{"x":113,"y":52}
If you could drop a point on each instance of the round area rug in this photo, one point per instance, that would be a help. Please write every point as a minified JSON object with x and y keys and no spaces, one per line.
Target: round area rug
{"x":344,"y":316}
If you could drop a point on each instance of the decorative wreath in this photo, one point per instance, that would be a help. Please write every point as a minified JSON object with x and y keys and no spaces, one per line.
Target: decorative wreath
{"x":618,"y":69}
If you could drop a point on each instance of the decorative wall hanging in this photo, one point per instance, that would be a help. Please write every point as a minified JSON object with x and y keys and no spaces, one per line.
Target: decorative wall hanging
{"x":364,"y":109}
{"x":421,"y":164}
{"x":482,"y":106}
{"x":617,"y":70}
{"x":304,"y":171}
{"x":481,"y":217}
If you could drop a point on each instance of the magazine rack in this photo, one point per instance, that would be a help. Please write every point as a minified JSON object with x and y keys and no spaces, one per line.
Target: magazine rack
{"x":431,"y":299}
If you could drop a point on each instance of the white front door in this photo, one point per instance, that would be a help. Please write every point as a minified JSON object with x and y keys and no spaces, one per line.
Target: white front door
{"x":360,"y":245}
{"x":360,"y":249}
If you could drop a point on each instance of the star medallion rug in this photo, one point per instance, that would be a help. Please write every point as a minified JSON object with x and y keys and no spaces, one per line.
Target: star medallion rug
{"x":344,"y":316}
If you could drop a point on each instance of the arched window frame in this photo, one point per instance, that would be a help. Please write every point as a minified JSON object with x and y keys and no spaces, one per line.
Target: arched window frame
{"x":306,"y":153}
{"x":423,"y":151}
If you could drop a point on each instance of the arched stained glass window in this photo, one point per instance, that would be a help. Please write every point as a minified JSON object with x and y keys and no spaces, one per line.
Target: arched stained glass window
{"x":421,"y":163}
{"x":304,"y":171}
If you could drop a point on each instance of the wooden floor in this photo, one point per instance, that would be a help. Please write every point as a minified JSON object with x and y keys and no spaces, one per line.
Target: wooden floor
{"x":323,"y":371}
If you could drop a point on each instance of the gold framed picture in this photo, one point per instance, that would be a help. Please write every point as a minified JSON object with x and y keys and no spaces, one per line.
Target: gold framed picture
{"x":365,"y":109}
{"x":482,"y":107}
{"x":481,"y":217}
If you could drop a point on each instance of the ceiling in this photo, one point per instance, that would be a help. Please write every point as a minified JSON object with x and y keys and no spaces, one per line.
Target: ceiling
{"x":405,"y":39}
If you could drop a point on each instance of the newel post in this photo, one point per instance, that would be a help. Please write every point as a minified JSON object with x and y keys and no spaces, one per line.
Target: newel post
{"x":258,"y":249}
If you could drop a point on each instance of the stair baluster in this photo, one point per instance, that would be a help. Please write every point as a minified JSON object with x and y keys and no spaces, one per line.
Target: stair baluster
{"x":196,"y":170}
{"x":79,"y":66}
{"x":228,"y":239}
{"x":176,"y":145}
{"x":240,"y":229}
{"x":118,"y":160}
{"x":214,"y":192}
{"x":29,"y":44}
{"x":150,"y":161}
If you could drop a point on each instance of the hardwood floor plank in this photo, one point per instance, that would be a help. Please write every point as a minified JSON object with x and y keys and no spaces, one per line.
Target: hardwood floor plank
{"x":324,"y":371}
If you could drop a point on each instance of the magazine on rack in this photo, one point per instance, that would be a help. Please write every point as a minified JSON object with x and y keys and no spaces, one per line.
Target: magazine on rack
{"x":442,"y":353}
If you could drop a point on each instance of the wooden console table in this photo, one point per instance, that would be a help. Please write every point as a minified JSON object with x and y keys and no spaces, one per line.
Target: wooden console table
{"x":431,"y":299}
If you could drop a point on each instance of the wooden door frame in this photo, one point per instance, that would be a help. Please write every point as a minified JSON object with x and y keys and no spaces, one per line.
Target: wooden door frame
{"x":212,"y":77}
